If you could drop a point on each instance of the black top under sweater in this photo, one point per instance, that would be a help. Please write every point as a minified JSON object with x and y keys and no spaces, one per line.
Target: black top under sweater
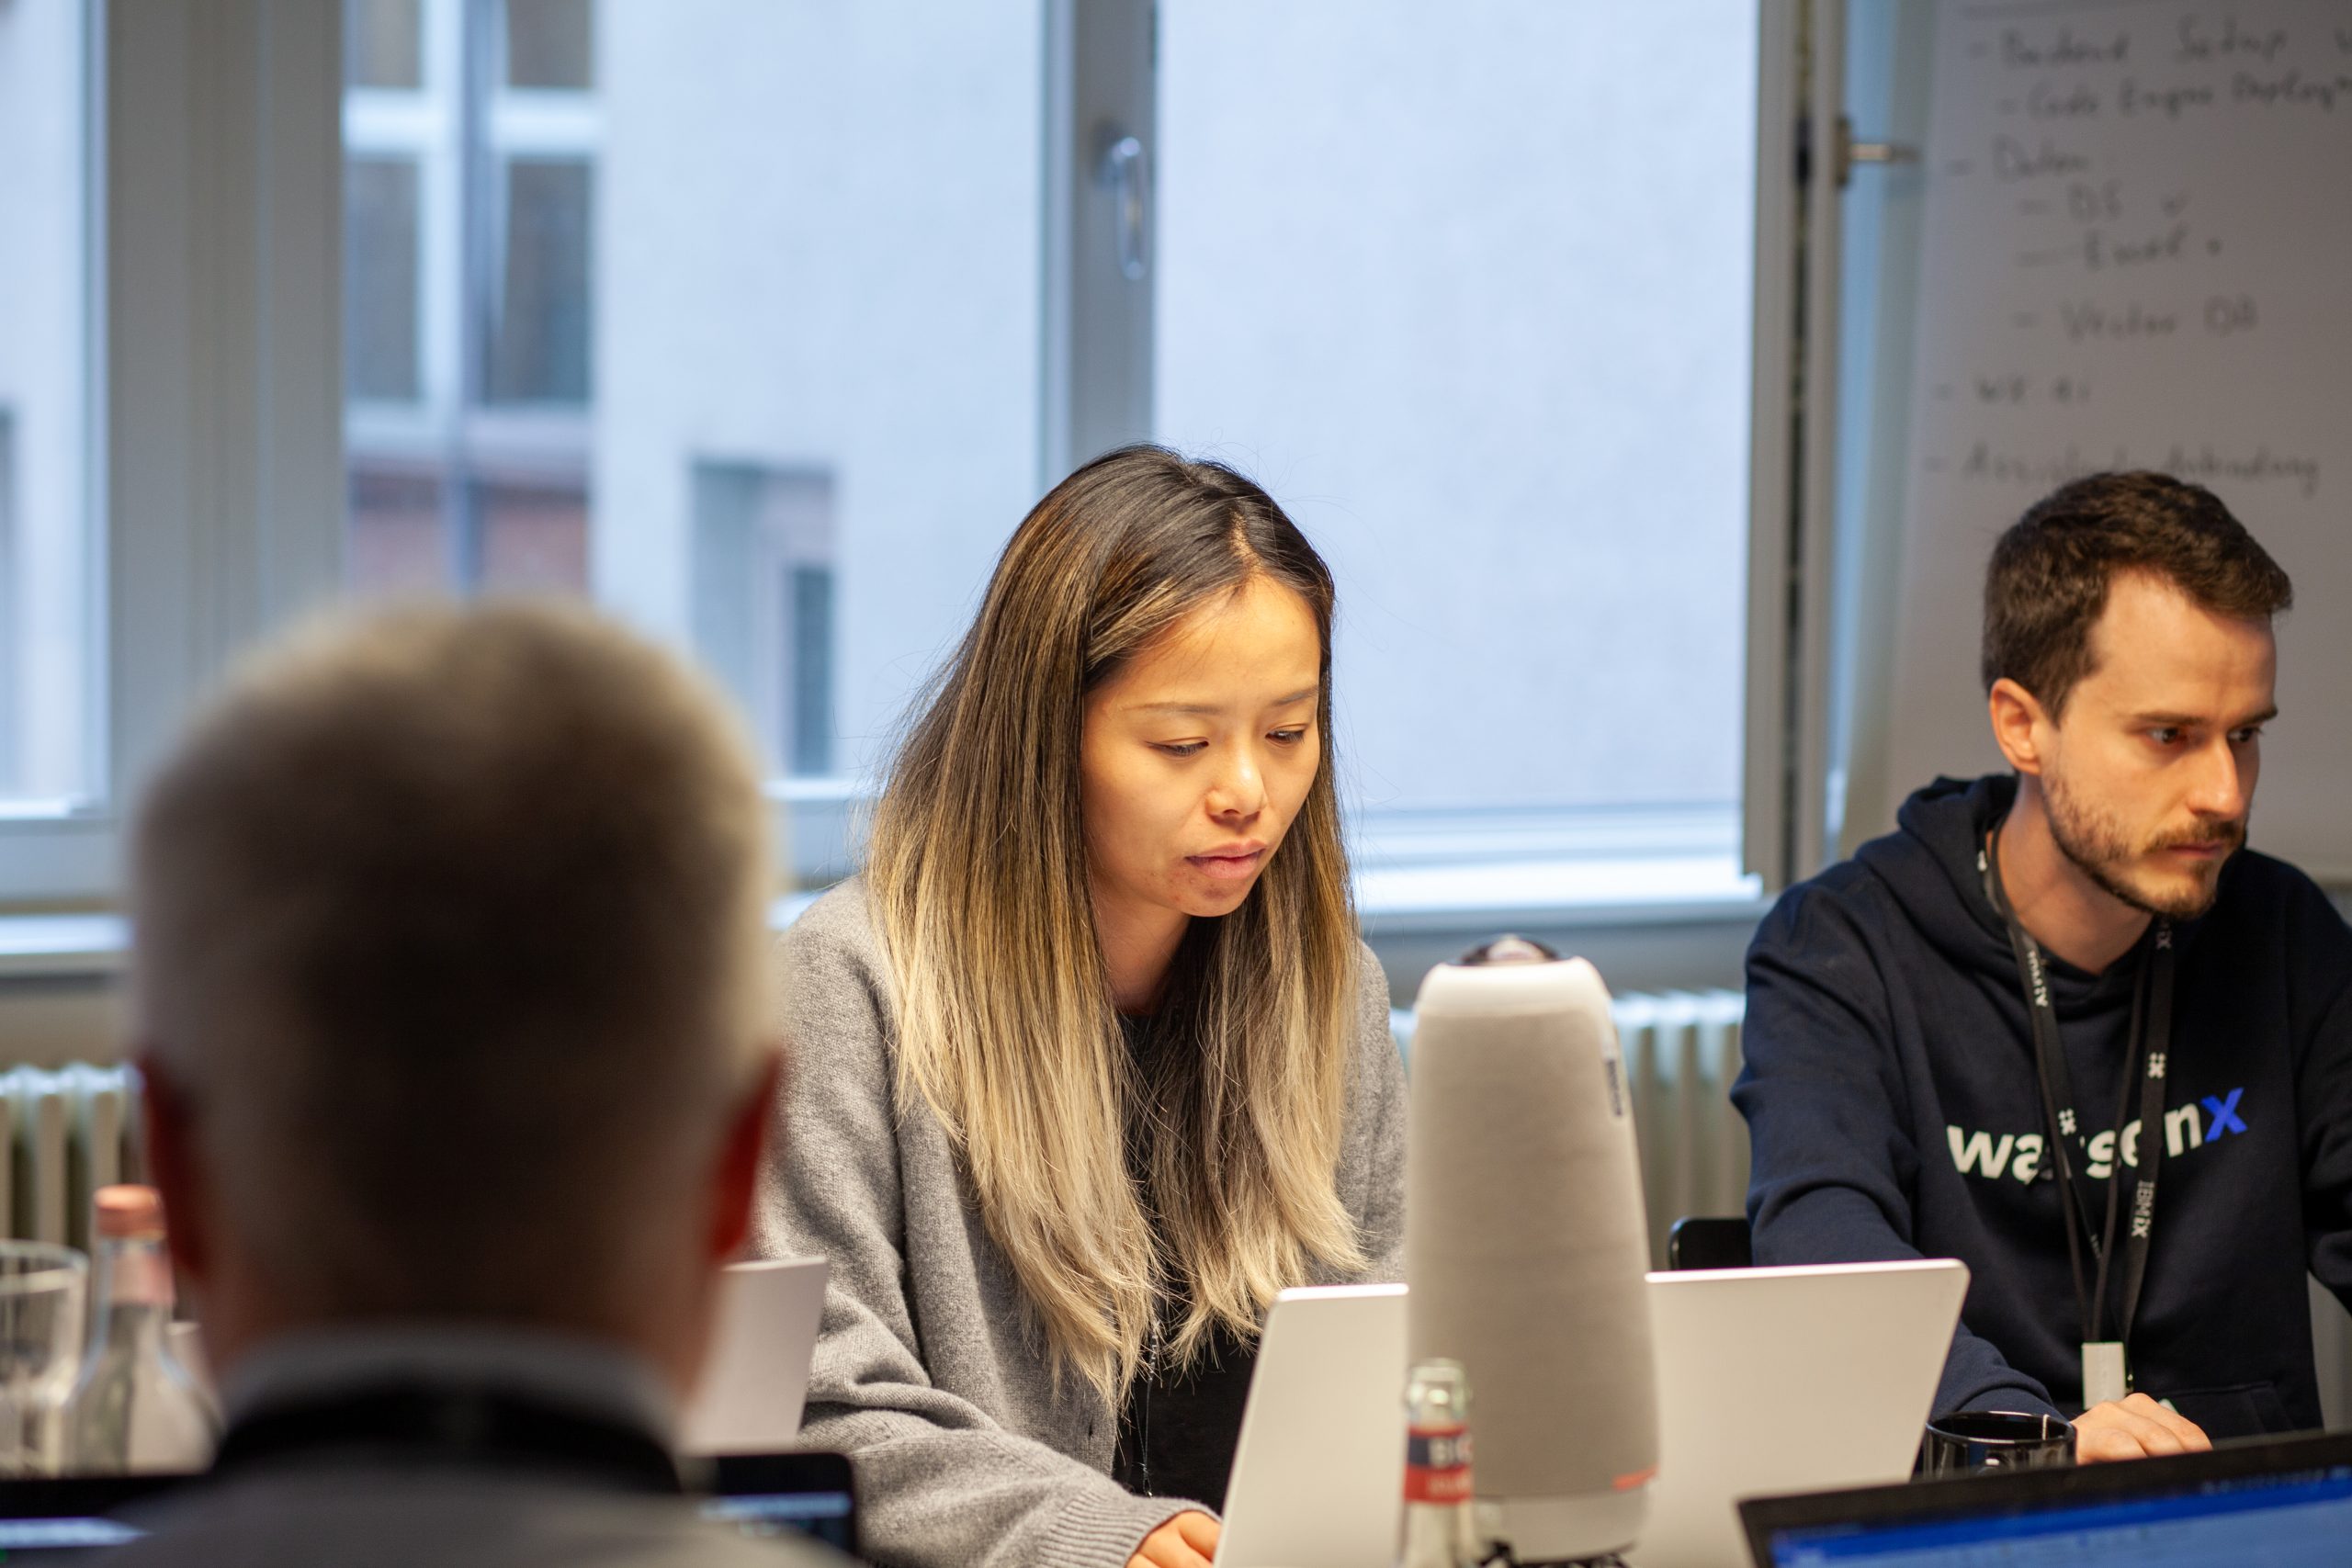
{"x":1891,"y":1095}
{"x":1179,"y":1429}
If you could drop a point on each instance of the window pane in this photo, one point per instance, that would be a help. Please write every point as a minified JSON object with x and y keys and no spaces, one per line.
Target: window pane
{"x":379,"y":277}
{"x":49,"y":690}
{"x":752,"y":330}
{"x":400,"y":542}
{"x":817,"y":360}
{"x":811,"y":594}
{"x":764,"y":603}
{"x":551,"y":43}
{"x":533,"y":536}
{"x":1491,"y":345}
{"x":383,"y":43}
{"x":538,"y":342}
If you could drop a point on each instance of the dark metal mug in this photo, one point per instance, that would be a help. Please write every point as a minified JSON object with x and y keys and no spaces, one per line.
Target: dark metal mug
{"x":1969,"y":1441}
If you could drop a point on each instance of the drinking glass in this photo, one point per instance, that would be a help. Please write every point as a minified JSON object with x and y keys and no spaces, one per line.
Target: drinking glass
{"x":1969,"y":1442}
{"x":43,"y":1289}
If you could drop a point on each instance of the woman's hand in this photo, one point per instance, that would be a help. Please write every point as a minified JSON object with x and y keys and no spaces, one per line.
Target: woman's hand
{"x":2134,"y":1428}
{"x":1188,"y":1541}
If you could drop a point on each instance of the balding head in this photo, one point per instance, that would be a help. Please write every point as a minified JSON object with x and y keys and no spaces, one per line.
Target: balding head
{"x":449,"y":960}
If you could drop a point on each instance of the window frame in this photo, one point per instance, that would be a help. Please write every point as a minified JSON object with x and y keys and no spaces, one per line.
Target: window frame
{"x":1570,"y":875}
{"x":216,"y":445}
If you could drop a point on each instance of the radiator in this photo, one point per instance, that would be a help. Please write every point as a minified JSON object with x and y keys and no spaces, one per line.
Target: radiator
{"x":1681,"y":1053}
{"x":1681,"y":1056}
{"x":70,"y":1131}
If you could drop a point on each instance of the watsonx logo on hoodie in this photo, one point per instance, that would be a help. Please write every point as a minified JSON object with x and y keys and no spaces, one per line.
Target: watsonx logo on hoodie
{"x":2018,"y":1157}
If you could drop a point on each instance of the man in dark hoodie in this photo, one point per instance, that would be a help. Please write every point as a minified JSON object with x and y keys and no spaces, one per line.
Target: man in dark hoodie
{"x":1955,"y":1039}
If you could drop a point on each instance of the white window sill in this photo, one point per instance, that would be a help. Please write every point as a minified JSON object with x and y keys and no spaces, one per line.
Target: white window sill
{"x":49,"y":946}
{"x":1555,"y":893}
{"x":1441,"y":875}
{"x":1487,"y":870}
{"x":1541,"y":894}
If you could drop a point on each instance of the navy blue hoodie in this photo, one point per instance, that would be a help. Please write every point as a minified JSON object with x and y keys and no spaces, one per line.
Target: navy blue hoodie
{"x":1891,"y":1105}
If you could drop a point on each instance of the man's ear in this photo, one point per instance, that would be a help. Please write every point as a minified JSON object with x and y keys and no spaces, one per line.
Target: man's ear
{"x":2021,"y":726}
{"x":175,"y":1165}
{"x":736,"y":1181}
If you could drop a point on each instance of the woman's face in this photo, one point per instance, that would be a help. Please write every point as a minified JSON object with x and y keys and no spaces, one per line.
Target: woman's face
{"x":1196,"y":756}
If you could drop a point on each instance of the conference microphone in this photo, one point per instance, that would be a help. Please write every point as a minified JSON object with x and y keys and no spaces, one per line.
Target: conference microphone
{"x":1525,"y":1244}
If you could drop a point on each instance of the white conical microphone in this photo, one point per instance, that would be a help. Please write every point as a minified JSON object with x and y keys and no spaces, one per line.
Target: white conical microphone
{"x":1525,"y":1244}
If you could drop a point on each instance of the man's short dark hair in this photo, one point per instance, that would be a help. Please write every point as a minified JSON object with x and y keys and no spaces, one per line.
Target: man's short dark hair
{"x":2048,"y":581}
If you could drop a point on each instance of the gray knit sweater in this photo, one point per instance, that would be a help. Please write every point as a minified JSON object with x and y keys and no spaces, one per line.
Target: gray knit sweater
{"x":967,"y":1448}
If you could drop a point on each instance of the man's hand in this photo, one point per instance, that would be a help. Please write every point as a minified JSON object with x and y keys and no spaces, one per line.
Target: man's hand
{"x":1188,"y":1541}
{"x":2134,"y":1428}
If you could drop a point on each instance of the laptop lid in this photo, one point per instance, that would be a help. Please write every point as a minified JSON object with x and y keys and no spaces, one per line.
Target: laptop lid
{"x":1320,"y":1467}
{"x":2279,"y":1501}
{"x":754,"y":1380}
{"x":1781,"y":1380}
{"x":757,"y":1374}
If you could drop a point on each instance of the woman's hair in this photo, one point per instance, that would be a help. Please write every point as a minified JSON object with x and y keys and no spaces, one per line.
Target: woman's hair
{"x":1005,"y":1024}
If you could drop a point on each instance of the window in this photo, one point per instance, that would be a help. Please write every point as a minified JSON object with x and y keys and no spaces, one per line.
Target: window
{"x":383,"y":44}
{"x":730,"y":316}
{"x":379,"y":334}
{"x":9,"y":683}
{"x":538,"y":333}
{"x":1490,"y":345}
{"x":725,"y":315}
{"x":49,"y":700}
{"x":549,"y":43}
{"x":763,"y":603}
{"x":761,"y":321}
{"x":470,"y":129}
{"x":816,"y":382}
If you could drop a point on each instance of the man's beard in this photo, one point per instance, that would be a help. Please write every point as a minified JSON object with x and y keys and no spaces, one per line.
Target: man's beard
{"x":2096,"y":842}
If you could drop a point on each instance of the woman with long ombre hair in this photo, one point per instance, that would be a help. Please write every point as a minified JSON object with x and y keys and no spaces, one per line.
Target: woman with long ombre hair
{"x":1089,"y":1063}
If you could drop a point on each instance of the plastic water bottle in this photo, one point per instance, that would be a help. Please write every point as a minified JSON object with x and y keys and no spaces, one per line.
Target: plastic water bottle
{"x":135,"y":1408}
{"x":1440,"y":1528}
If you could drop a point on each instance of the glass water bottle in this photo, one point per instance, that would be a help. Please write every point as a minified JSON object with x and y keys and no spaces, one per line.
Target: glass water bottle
{"x":1440,"y":1528}
{"x":135,"y":1408}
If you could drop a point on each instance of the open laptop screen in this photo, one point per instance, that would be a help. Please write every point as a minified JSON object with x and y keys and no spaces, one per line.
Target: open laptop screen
{"x":49,"y":1518}
{"x":44,"y":1517}
{"x":2283,"y":1504}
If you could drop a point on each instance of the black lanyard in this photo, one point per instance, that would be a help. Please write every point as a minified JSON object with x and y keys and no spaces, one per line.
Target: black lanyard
{"x":470,"y":1427}
{"x":2151,"y":1041}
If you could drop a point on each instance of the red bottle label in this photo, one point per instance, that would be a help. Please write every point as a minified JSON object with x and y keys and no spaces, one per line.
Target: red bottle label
{"x":1437,"y":1465}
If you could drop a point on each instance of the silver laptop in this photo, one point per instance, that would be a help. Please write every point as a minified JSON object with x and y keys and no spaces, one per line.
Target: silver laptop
{"x":1768,"y":1380}
{"x":1320,"y":1466}
{"x":756,"y":1376}
{"x":1786,"y":1380}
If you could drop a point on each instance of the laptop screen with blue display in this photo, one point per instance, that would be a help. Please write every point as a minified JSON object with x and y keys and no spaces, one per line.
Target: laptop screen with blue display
{"x":52,"y":1519}
{"x":2279,"y":1522}
{"x":2278,"y":1502}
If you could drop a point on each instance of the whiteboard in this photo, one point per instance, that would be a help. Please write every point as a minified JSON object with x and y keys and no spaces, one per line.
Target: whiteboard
{"x":2137,"y":253}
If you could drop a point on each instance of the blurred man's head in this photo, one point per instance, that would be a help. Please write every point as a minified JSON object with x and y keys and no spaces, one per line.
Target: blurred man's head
{"x":450,"y":978}
{"x":2129,"y":664}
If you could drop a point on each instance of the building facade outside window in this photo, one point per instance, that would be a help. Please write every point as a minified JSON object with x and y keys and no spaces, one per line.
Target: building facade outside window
{"x":470,"y":133}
